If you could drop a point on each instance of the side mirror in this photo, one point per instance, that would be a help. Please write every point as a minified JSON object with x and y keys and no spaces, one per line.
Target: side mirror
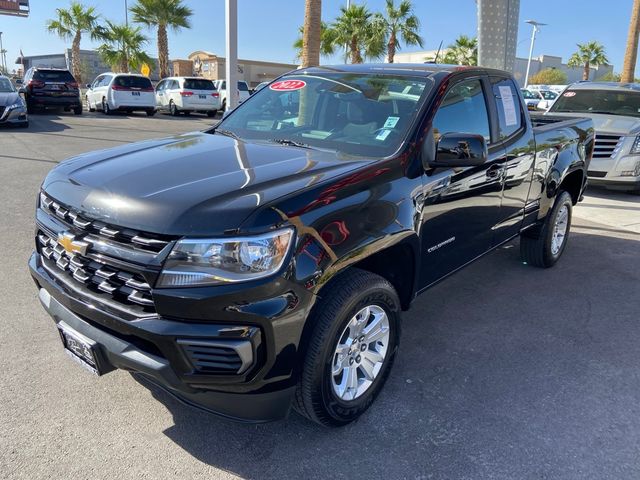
{"x":459,"y":150}
{"x":88,"y":85}
{"x":543,"y":105}
{"x":18,"y":81}
{"x":22,"y":90}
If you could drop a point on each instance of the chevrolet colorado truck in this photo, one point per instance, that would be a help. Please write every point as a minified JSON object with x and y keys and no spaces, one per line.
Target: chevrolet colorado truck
{"x":264,"y":263}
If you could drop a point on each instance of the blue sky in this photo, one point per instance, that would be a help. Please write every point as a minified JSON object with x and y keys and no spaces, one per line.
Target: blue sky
{"x":267,"y":28}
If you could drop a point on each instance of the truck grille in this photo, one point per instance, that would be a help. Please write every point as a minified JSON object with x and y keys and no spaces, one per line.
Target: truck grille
{"x":606,"y":146}
{"x":117,"y":266}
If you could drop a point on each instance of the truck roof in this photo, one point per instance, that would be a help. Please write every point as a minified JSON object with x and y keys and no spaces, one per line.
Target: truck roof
{"x":416,"y":69}
{"x":605,"y":86}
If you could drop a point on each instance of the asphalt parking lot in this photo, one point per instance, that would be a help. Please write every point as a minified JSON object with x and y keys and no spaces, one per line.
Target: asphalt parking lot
{"x":505,"y":371}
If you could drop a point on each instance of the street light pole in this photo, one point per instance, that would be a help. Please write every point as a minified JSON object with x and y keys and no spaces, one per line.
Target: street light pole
{"x":536,"y":29}
{"x":231,"y":67}
{"x":2,"y":56}
{"x":126,"y":13}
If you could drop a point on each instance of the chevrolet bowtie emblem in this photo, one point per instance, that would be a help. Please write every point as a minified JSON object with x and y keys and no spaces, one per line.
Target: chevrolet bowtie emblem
{"x":71,"y":245}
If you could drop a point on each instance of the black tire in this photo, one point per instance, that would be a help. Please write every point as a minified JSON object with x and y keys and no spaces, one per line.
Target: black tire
{"x":77,"y":110}
{"x":30,"y":107}
{"x":24,"y":125}
{"x":212,"y":113}
{"x":224,"y":105}
{"x":353,"y":290}
{"x":173,"y":110}
{"x":106,"y":109}
{"x":536,"y":245}
{"x":151,"y":113}
{"x":186,"y":113}
{"x":89,"y":108}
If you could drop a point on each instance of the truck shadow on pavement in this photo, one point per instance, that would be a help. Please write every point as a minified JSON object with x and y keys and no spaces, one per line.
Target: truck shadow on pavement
{"x":504,"y":371}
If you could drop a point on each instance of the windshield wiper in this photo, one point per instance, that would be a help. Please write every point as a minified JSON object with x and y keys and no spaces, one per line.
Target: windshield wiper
{"x":226,"y":133}
{"x":290,"y":143}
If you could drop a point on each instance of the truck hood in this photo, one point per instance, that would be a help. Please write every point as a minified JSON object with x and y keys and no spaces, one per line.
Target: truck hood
{"x":192,"y":184}
{"x":615,"y":124}
{"x":8,"y":98}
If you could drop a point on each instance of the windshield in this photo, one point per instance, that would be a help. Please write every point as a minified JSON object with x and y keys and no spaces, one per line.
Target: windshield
{"x":360,"y":114}
{"x":548,"y":94}
{"x":612,"y":102}
{"x":529,"y":95}
{"x":6,"y":86}
{"x":198,"y":84}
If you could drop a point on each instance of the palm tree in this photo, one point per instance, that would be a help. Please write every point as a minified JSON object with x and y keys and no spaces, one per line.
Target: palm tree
{"x":70,"y":24}
{"x":312,"y":33}
{"x":464,"y":51}
{"x":588,"y":54}
{"x":631,"y":54}
{"x":122,"y":49}
{"x":400,"y":22}
{"x":162,"y":14}
{"x":360,"y":31}
{"x":327,"y":46}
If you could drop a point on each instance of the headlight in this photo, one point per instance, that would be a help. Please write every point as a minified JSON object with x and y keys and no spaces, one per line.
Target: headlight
{"x":18,"y":104}
{"x":635,"y":148}
{"x":629,"y":167}
{"x":194,"y":262}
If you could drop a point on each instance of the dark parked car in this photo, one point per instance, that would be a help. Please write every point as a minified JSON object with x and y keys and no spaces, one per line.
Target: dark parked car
{"x":13,"y":111}
{"x":51,"y":87}
{"x":265,"y":262}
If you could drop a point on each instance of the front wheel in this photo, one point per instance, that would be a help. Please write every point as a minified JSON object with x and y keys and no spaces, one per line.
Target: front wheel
{"x":351,"y":348}
{"x":151,"y":113}
{"x":543,"y":246}
{"x":173,"y":110}
{"x":106,"y":108}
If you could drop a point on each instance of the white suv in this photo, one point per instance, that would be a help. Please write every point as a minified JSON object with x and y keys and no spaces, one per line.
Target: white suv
{"x":187,"y":94}
{"x":242,"y":92}
{"x":121,"y":91}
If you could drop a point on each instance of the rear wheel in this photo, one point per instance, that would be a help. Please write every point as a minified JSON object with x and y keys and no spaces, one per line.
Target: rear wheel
{"x":212,"y":113}
{"x":77,"y":110}
{"x":151,"y":113}
{"x":173,"y":110}
{"x":106,"y":108}
{"x":351,"y":348}
{"x":543,"y":246}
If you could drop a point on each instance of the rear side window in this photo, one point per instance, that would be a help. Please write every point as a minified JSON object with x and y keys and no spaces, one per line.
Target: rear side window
{"x":198,"y":84}
{"x":463,"y":110}
{"x":133,"y":82}
{"x":242,"y":86}
{"x":508,"y":105}
{"x":53,"y":76}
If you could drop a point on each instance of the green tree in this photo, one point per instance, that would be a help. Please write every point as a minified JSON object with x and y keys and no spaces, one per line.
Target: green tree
{"x":361,"y":31}
{"x":464,"y":51}
{"x":162,"y":14}
{"x":588,"y":55}
{"x":400,"y":23}
{"x":327,"y":45}
{"x":549,"y":76}
{"x":610,"y":77}
{"x":70,"y":24}
{"x":123,"y":47}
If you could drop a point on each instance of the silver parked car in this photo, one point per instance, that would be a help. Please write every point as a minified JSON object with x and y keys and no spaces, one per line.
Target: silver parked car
{"x":13,"y":110}
{"x":615,"y":110}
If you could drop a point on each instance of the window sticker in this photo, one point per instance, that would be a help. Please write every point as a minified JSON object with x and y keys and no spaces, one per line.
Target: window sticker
{"x":383,"y":135}
{"x":391,"y":122}
{"x":569,"y":94}
{"x":288,"y":85}
{"x":508,"y":105}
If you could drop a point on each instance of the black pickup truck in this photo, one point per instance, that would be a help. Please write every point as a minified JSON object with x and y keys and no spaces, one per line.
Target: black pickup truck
{"x":264,"y":263}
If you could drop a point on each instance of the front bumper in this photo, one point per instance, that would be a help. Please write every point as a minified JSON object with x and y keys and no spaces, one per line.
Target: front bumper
{"x":151,"y":347}
{"x":630,"y":185}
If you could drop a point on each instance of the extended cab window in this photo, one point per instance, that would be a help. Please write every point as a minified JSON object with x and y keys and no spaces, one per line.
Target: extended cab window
{"x":360,"y":114}
{"x":508,"y":105}
{"x":463,"y":110}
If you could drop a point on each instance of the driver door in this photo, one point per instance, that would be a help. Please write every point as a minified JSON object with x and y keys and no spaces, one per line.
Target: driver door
{"x":461,"y":206}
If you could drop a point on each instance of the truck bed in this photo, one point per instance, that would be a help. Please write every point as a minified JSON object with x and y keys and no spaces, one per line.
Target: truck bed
{"x":543,"y":123}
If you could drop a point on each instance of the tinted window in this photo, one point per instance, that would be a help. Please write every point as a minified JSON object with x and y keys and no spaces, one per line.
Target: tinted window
{"x":508,"y":106}
{"x":5,"y":85}
{"x":612,"y":102}
{"x":106,"y":80}
{"x":53,"y":76}
{"x":242,"y":86}
{"x":463,"y":110}
{"x":528,"y":95}
{"x":198,"y":84}
{"x":133,"y":82}
{"x":548,"y":94}
{"x":97,"y":82}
